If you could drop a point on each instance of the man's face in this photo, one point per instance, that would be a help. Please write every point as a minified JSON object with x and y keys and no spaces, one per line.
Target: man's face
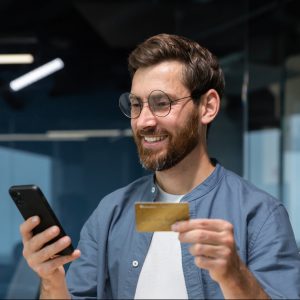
{"x":163,"y":142}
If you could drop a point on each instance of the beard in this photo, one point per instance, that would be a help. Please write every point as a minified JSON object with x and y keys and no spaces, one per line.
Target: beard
{"x":179,"y":146}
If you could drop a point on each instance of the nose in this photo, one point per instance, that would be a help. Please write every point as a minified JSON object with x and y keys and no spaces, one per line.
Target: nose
{"x":146,"y":118}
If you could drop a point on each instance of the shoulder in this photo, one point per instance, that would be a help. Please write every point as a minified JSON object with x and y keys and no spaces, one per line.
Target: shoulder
{"x":254,"y":212}
{"x":241,"y":202}
{"x":246,"y":193}
{"x":252,"y":206}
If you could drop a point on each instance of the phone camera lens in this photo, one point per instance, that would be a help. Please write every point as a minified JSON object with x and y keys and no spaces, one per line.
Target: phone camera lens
{"x":18,"y":199}
{"x":20,"y":202}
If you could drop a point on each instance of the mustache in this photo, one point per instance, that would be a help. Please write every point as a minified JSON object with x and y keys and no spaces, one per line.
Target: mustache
{"x":151,"y":131}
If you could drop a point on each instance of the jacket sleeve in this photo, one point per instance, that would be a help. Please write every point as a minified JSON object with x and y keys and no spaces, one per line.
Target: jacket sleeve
{"x":274,"y":258}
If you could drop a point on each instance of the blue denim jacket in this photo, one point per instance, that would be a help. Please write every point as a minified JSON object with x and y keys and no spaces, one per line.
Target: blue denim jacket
{"x":113,"y":252}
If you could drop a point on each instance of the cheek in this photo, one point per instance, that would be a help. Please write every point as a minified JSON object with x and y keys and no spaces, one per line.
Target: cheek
{"x":174,"y":121}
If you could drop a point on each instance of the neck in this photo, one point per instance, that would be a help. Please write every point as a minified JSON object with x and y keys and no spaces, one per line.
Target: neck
{"x":187,"y":174}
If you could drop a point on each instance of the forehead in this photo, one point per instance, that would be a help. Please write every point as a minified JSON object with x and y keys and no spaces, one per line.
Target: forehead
{"x":165,"y":76}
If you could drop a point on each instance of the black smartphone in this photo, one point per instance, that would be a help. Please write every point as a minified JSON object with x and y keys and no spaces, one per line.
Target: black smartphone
{"x":30,"y":201}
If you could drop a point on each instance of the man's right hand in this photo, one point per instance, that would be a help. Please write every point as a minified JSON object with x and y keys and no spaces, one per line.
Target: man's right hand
{"x":43,"y":260}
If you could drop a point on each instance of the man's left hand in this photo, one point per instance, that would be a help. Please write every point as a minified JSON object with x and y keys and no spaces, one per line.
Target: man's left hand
{"x":212,"y":245}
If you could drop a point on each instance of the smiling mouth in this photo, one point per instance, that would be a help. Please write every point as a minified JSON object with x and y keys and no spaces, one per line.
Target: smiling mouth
{"x":154,"y":139}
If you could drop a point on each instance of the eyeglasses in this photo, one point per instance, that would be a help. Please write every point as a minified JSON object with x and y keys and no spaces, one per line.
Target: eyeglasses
{"x":159,"y":103}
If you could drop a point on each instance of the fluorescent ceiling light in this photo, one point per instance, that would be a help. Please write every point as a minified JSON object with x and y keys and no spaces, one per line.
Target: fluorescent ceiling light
{"x":7,"y":59}
{"x":36,"y":74}
{"x":66,"y":135}
{"x":96,"y":133}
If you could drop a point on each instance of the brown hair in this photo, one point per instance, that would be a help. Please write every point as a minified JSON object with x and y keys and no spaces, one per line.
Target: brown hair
{"x":201,"y":68}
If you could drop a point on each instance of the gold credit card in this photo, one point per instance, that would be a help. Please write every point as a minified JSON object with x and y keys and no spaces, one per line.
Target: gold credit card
{"x":159,"y":216}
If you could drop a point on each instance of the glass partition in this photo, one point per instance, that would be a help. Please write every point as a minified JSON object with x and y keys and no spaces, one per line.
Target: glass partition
{"x":274,"y":105}
{"x":291,"y":133}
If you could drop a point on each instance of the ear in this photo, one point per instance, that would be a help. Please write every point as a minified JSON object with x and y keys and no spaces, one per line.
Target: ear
{"x":209,"y":106}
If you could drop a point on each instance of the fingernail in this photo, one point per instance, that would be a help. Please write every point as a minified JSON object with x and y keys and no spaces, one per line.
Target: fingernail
{"x":34,"y":219}
{"x":54,"y":229}
{"x":76,"y":253}
{"x":65,"y":239}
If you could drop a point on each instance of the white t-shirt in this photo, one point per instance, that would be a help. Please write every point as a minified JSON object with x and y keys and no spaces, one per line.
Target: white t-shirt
{"x":162,"y":276}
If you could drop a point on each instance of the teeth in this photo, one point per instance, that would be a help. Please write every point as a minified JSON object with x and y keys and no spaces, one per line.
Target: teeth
{"x":153,"y":139}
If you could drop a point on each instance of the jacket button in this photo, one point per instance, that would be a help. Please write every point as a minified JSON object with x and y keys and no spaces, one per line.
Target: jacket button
{"x":153,"y":189}
{"x":135,"y":263}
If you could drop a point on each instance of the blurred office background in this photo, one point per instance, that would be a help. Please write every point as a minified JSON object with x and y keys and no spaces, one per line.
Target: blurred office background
{"x":66,"y":134}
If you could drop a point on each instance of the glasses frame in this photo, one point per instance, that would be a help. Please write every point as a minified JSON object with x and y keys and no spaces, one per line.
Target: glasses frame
{"x":171,"y":102}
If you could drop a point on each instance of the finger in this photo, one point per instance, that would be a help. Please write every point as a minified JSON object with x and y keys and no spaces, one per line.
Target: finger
{"x":48,"y":252}
{"x":207,"y":224}
{"x":212,"y":265}
{"x":51,"y":250}
{"x":27,"y":227}
{"x":40,"y":239}
{"x":209,"y":251}
{"x":201,"y":236}
{"x":51,"y":265}
{"x":205,"y":262}
{"x":224,"y":239}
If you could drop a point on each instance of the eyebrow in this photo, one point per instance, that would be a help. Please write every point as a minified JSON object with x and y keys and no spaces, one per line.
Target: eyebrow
{"x":135,"y":95}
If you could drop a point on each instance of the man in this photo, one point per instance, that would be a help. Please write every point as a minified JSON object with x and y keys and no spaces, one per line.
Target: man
{"x":238,"y":242}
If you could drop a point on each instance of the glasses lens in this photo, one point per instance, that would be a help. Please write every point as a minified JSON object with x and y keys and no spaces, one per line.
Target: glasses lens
{"x":159,"y":103}
{"x":130,"y":105}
